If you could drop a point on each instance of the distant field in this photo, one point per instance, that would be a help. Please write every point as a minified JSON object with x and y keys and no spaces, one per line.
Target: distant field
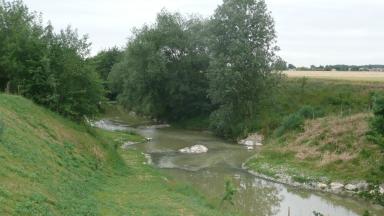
{"x":339,"y":75}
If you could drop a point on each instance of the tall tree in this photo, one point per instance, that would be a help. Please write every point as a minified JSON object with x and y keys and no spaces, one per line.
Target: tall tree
{"x":47,"y":67}
{"x":241,"y":73}
{"x":163,"y":73}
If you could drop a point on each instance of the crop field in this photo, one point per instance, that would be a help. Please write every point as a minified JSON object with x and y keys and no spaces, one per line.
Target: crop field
{"x":365,"y":76}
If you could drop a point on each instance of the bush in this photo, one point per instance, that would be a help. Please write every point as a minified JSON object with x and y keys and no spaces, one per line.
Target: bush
{"x":296,"y":120}
{"x":310,"y":112}
{"x":377,"y":122}
{"x":292,"y":122}
{"x":376,"y":134}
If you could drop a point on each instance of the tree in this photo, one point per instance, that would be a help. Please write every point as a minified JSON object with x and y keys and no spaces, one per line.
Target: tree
{"x":291,"y":66}
{"x":241,"y":74}
{"x":163,"y":73}
{"x":20,"y":45}
{"x":103,"y":63}
{"x":49,"y":68}
{"x":77,"y":88}
{"x":280,"y":64}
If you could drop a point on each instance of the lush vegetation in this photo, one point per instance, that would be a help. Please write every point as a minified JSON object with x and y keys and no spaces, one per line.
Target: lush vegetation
{"x":180,"y":68}
{"x":103,"y":63}
{"x":241,"y":75}
{"x":315,"y":98}
{"x":333,"y":148}
{"x":327,"y":133}
{"x":47,"y":67}
{"x":163,"y":73}
{"x":377,"y":121}
{"x":52,"y":166}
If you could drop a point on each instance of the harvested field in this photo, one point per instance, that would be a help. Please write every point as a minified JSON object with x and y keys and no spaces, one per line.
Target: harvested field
{"x":365,"y":76}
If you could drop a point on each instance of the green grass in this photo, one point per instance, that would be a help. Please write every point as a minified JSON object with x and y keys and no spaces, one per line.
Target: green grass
{"x":328,"y":97}
{"x":333,"y":147}
{"x":52,"y":166}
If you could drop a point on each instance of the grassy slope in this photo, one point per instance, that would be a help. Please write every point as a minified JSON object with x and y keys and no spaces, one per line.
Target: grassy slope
{"x":333,"y":147}
{"x":52,"y":166}
{"x":330,"y":97}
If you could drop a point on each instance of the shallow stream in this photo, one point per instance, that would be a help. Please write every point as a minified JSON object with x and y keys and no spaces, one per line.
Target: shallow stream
{"x":208,"y":173}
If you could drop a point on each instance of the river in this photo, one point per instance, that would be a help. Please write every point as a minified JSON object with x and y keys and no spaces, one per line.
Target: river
{"x":208,"y":173}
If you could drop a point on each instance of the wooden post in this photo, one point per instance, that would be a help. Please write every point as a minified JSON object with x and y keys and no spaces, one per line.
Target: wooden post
{"x":289,"y":211}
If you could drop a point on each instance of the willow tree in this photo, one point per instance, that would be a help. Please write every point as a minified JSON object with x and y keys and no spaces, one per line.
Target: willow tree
{"x":163,"y":72}
{"x":241,"y":72}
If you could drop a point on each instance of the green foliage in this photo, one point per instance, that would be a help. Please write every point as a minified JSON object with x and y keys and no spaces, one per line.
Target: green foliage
{"x":378,"y":111}
{"x":48,"y":67}
{"x":103,"y":63}
{"x":163,"y":73}
{"x":366,"y":213}
{"x":295,"y":94}
{"x":61,"y":169}
{"x":310,"y":112}
{"x":37,"y":204}
{"x":230,"y":191}
{"x":373,"y":194}
{"x":240,"y":73}
{"x":296,"y":120}
{"x":377,"y":121}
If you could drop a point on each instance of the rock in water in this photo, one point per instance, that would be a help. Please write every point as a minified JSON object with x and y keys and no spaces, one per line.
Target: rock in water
{"x":322,"y":186}
{"x":196,"y":149}
{"x":362,"y":186}
{"x":381,"y":189}
{"x":336,"y":186}
{"x":350,"y":187}
{"x":252,"y":140}
{"x":126,"y":145}
{"x":250,"y":148}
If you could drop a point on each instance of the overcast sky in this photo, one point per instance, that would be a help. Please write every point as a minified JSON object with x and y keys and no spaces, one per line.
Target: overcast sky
{"x":309,"y":31}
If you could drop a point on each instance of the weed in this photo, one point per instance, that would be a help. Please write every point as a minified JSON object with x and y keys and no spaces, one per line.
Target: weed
{"x":230,"y":192}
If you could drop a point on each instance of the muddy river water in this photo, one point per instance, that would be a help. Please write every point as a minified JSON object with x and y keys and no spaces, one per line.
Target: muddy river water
{"x":208,"y":173}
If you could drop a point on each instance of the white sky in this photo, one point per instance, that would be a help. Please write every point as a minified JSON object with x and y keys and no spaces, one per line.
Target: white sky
{"x":309,"y":31}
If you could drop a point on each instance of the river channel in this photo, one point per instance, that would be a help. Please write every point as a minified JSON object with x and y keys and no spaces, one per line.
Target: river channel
{"x":208,"y":173}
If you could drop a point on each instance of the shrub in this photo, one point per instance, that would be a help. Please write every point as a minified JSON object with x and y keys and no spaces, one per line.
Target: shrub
{"x":377,"y":121}
{"x":296,"y":120}
{"x":310,"y":112}
{"x":292,"y":122}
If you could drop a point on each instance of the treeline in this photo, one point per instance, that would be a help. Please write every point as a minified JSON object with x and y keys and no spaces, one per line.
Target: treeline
{"x":339,"y":68}
{"x":50,"y":68}
{"x":178,"y":68}
{"x":183,"y":67}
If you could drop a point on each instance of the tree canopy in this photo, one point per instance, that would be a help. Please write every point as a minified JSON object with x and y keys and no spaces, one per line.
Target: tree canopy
{"x":241,"y":74}
{"x":48,"y":67}
{"x":163,"y":73}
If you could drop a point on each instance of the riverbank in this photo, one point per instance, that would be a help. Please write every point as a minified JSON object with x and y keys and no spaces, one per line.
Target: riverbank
{"x":330,"y":154}
{"x":53,"y":166}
